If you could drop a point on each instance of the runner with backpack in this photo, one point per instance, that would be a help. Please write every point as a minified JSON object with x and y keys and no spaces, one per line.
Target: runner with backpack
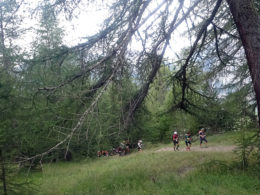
{"x":188,"y":141}
{"x":175,"y":139}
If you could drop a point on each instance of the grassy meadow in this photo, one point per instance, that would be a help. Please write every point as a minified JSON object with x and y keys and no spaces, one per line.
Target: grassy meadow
{"x":150,"y":172}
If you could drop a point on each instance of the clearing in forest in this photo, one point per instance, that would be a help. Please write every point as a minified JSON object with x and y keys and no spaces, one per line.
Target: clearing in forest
{"x":157,"y":170}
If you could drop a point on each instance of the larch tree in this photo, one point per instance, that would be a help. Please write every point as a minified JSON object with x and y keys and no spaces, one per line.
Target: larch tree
{"x":10,"y":61}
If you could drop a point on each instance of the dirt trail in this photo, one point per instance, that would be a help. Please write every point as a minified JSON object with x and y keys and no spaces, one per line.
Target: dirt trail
{"x":203,"y":149}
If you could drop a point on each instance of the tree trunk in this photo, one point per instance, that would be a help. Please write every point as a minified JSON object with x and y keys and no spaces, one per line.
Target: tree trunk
{"x":247,"y":21}
{"x":3,"y":172}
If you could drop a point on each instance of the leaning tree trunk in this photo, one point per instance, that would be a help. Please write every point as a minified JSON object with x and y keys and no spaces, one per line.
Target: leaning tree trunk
{"x":247,"y":21}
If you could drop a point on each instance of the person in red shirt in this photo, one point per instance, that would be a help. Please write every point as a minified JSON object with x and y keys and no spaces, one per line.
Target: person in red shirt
{"x":175,"y":139}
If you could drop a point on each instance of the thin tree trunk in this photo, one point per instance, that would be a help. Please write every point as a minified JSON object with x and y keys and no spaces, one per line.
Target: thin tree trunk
{"x":247,"y":21}
{"x":3,"y":172}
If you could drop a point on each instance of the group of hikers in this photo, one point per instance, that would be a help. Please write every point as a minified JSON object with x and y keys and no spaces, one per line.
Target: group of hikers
{"x":187,"y":139}
{"x":122,"y":149}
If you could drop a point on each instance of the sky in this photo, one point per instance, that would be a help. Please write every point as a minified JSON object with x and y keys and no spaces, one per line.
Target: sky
{"x":87,"y":22}
{"x":91,"y":18}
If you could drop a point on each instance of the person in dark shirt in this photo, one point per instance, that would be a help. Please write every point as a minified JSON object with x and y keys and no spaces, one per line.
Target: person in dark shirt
{"x":203,"y":137}
{"x":188,"y":141}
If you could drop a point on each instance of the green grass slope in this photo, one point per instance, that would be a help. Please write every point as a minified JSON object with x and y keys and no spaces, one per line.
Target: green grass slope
{"x":150,"y":172}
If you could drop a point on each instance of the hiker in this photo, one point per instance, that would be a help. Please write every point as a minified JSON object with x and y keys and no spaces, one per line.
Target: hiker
{"x":99,"y":153}
{"x":140,"y":145}
{"x":175,"y":139}
{"x":113,"y":152}
{"x":127,"y":148}
{"x":104,"y":153}
{"x":122,"y":148}
{"x":203,"y":137}
{"x":188,"y":141}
